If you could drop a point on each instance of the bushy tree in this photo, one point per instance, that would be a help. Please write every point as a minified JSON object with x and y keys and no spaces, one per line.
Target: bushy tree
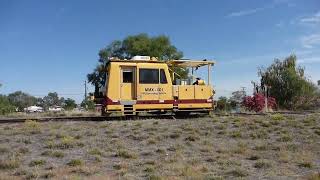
{"x":236,"y":98}
{"x":21,"y":100}
{"x":223,"y":104}
{"x":288,"y":84}
{"x":52,"y":99}
{"x":141,"y":44}
{"x":88,"y":105}
{"x":69,"y":104}
{"x":5,"y":106}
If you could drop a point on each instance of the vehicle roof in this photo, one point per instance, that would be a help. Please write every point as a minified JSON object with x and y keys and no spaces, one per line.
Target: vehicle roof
{"x":135,"y":61}
{"x":190,"y":63}
{"x":180,"y":62}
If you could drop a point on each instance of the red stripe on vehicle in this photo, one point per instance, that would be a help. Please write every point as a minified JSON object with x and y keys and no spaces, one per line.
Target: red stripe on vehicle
{"x":108,"y":101}
{"x":184,"y":101}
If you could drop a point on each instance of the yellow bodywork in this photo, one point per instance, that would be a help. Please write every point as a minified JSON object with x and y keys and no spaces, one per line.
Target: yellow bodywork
{"x":128,"y":92}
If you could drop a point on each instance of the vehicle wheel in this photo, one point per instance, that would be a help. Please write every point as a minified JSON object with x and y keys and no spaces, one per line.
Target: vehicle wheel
{"x":182,"y":113}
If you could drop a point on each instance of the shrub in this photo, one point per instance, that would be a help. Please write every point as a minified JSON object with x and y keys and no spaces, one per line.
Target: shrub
{"x":57,"y":154}
{"x":149,"y":169}
{"x":151,"y":141}
{"x":23,"y":150}
{"x":48,"y":175}
{"x":305,"y":164}
{"x":192,"y":138}
{"x":154,"y":177}
{"x":236,"y":134}
{"x":174,"y":135}
{"x":285,"y":138}
{"x":315,"y":176}
{"x":32,"y":127}
{"x":257,"y":102}
{"x":67,"y":142}
{"x":254,"y":157}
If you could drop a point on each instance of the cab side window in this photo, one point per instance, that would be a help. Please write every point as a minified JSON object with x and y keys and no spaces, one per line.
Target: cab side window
{"x":163,"y":78}
{"x":127,"y":76}
{"x":149,"y":76}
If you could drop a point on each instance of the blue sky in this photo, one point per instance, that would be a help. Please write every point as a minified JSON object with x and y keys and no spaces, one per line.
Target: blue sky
{"x":52,"y":45}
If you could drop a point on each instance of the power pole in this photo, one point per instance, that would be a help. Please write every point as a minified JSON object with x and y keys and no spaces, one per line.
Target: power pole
{"x":266,"y":98}
{"x":243,"y":90}
{"x":85,"y":90}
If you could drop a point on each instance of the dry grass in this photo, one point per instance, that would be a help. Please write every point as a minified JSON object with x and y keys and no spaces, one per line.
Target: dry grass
{"x":252,"y":147}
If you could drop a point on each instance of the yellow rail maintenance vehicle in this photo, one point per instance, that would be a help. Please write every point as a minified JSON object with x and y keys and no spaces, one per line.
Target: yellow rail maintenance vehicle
{"x":145,"y":85}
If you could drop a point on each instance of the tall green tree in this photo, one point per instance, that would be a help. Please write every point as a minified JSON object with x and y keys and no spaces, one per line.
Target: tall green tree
{"x":52,"y":99}
{"x":5,"y":106}
{"x":237,"y":98}
{"x":69,"y":104}
{"x":21,"y":100}
{"x":141,"y":44}
{"x":288,"y":83}
{"x":88,"y":105}
{"x":223,"y":104}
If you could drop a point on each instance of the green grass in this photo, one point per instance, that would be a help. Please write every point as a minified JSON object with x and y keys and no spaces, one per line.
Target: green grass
{"x":236,"y":134}
{"x":37,"y":162}
{"x":9,"y":163}
{"x":75,"y":162}
{"x":32,"y":127}
{"x":278,"y":117}
{"x":95,"y":151}
{"x":262,"y":164}
{"x":126,"y":154}
{"x":238,"y":172}
{"x":4,"y":149}
{"x":56,"y":154}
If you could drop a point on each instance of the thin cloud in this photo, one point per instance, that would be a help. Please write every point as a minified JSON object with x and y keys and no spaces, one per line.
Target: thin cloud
{"x":311,"y":20}
{"x":246,"y":12}
{"x":310,"y":41}
{"x":256,"y":10}
{"x":280,"y":24}
{"x":309,"y":60}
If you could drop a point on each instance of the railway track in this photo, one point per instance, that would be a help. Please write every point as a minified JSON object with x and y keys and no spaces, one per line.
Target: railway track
{"x":91,"y":118}
{"x":145,"y":117}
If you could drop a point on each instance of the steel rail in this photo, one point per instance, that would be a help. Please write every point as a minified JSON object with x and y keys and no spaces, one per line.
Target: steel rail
{"x":144,"y":117}
{"x":93,"y":118}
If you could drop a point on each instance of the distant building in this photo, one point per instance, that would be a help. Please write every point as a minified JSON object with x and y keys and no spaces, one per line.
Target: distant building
{"x":32,"y":109}
{"x":56,"y":109}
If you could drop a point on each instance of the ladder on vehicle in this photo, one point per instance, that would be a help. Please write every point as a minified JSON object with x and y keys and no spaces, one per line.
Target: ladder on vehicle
{"x":128,"y":110}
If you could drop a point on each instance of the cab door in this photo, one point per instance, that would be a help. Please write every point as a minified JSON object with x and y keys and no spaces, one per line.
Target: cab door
{"x":127,"y":85}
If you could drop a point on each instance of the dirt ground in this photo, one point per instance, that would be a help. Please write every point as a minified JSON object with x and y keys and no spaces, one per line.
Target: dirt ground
{"x":253,"y":147}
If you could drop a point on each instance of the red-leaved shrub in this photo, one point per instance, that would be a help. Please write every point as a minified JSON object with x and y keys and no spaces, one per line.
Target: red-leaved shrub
{"x":256,"y":102}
